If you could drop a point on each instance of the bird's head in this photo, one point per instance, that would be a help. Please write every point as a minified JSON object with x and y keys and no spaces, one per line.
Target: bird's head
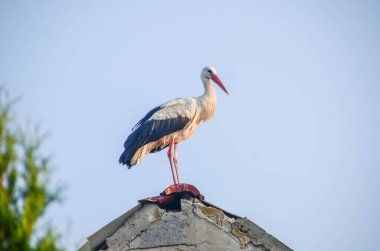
{"x":208,"y":73}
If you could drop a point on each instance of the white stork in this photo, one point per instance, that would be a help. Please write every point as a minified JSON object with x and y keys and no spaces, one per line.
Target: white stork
{"x":170,"y":123}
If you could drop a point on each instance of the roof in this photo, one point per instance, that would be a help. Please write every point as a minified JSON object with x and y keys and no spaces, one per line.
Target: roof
{"x":198,"y":224}
{"x":96,"y":239}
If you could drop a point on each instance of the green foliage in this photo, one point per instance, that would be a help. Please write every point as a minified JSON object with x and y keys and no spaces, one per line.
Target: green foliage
{"x":24,"y":187}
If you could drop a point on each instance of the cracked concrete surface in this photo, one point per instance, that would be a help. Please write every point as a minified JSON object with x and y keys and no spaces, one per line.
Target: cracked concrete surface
{"x":196,"y":227}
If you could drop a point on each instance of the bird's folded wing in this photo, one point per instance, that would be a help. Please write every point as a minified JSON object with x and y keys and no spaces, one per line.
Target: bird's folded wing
{"x":162,"y":120}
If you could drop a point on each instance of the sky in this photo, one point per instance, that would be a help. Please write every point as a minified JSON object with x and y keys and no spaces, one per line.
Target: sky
{"x":294,"y":147}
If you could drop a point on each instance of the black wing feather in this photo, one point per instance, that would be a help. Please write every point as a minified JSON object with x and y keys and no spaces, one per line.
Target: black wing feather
{"x":150,"y":131}
{"x":147,"y":116}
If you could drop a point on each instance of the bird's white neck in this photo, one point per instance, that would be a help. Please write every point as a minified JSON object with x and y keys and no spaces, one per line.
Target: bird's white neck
{"x":207,"y":102}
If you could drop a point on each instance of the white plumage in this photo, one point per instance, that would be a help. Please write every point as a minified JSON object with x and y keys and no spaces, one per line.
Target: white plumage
{"x":171,"y":123}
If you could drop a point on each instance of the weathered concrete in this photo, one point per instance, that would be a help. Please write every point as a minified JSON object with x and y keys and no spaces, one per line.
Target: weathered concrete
{"x":196,"y":227}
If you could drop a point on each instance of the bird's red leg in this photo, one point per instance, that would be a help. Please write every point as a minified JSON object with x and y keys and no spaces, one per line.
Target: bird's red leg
{"x":171,"y":161}
{"x":176,"y":161}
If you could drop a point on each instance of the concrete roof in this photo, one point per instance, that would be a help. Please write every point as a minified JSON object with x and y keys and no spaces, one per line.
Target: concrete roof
{"x":148,"y":226}
{"x":96,"y":239}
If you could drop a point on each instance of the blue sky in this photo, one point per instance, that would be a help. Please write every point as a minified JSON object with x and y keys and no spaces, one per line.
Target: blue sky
{"x":294,"y":147}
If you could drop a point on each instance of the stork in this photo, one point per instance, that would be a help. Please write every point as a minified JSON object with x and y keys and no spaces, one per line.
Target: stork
{"x":171,"y":123}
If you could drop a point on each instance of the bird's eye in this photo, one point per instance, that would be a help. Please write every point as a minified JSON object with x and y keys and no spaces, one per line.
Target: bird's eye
{"x":209,"y":71}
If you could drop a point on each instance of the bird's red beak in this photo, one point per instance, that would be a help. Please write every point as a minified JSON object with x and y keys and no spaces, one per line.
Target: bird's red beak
{"x":216,"y":79}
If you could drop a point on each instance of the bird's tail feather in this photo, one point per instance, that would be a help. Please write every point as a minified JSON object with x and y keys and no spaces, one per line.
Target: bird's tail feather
{"x":125,"y":158}
{"x":134,"y":151}
{"x":131,"y":158}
